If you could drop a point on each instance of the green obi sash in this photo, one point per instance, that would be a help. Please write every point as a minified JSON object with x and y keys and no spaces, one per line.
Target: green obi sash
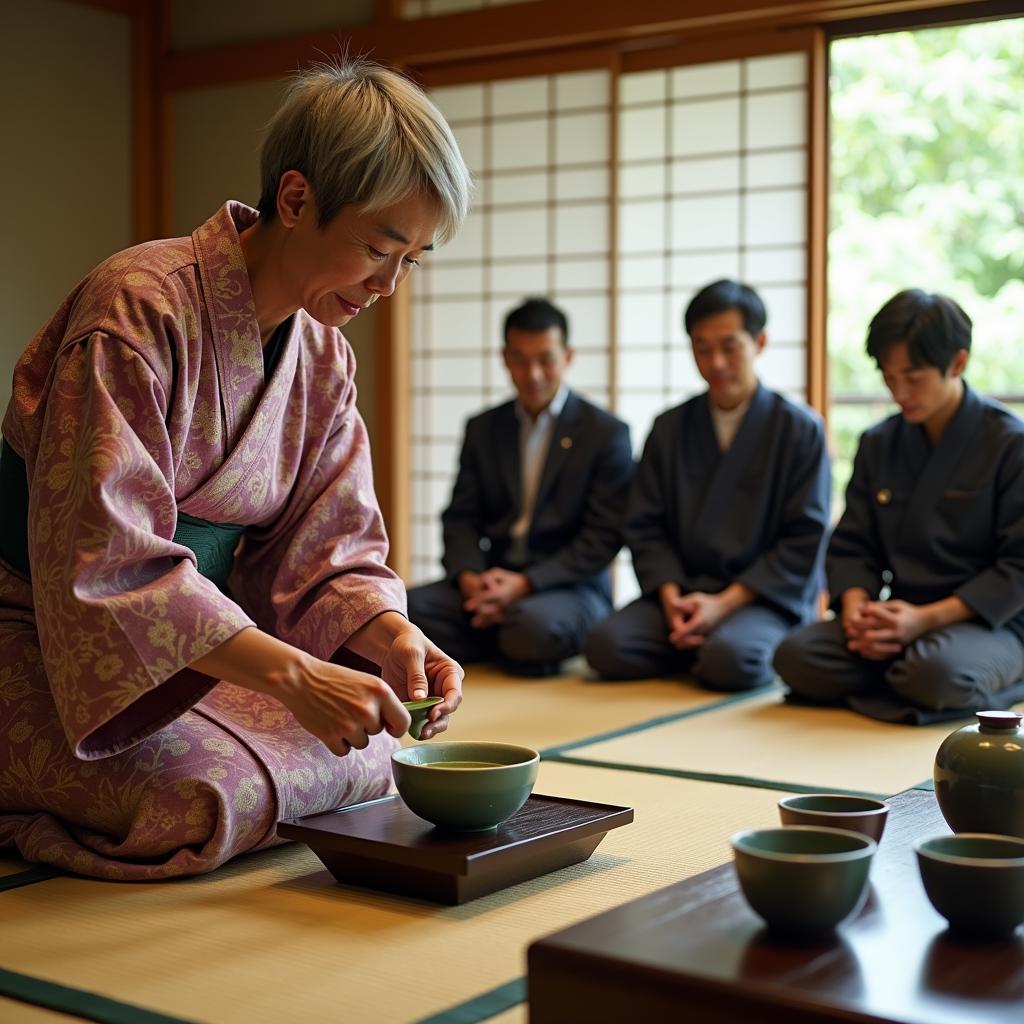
{"x":212,"y":543}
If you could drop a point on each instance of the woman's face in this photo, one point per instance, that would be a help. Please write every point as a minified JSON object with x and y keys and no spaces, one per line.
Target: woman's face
{"x":336,"y":271}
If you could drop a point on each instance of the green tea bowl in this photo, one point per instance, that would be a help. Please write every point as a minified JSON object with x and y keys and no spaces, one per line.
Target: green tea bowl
{"x":975,"y":881}
{"x":419,"y":712}
{"x":835,"y":810}
{"x":465,"y":786}
{"x":800,"y":879}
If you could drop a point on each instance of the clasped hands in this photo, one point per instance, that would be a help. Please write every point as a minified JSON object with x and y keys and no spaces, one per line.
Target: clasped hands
{"x":486,"y":595}
{"x":880,"y":630}
{"x":690,"y":617}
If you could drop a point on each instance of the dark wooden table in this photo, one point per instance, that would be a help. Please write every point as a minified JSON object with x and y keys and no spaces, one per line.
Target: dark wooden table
{"x":696,"y":952}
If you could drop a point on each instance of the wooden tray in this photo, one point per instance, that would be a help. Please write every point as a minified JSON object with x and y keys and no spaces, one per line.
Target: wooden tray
{"x":696,"y":951}
{"x":383,"y":845}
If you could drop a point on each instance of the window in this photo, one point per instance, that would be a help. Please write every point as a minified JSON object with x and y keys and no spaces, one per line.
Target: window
{"x":927,"y":163}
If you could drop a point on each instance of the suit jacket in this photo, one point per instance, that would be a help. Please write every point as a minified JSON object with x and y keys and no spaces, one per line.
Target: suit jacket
{"x":575,"y":531}
{"x":756,"y":514}
{"x":942,"y":521}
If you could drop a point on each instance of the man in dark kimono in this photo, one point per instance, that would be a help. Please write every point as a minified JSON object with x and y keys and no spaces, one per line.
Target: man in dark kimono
{"x":726,"y":518}
{"x":535,"y":514}
{"x":935,"y":511}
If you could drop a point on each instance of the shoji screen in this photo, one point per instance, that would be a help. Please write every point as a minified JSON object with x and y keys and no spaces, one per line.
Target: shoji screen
{"x":712,"y":170}
{"x":711,"y":183}
{"x":538,"y":148}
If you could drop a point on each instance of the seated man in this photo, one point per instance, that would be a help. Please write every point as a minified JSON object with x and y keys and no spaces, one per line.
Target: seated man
{"x":726,"y":518}
{"x":935,"y":509}
{"x":535,"y":514}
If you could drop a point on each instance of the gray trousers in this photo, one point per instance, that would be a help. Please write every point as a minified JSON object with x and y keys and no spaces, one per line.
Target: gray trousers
{"x":539,"y":631}
{"x":947,"y":673}
{"x":633,"y":644}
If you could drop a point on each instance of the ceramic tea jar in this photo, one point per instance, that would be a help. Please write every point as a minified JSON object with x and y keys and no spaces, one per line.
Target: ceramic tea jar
{"x":979,"y":775}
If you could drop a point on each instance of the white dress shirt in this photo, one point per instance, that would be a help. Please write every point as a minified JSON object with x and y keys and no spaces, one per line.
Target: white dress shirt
{"x":534,"y":442}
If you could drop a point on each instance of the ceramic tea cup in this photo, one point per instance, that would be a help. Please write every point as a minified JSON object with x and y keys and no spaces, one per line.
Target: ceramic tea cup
{"x":465,"y":786}
{"x":834,"y":810}
{"x":802,"y":879}
{"x":419,"y":712}
{"x":975,"y":881}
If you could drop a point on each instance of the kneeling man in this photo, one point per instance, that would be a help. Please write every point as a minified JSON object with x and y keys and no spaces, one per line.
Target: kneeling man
{"x":935,"y":511}
{"x":726,"y":519}
{"x":535,"y":514}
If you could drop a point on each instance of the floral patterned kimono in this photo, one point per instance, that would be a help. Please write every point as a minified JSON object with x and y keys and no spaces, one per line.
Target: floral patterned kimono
{"x":141,"y":400}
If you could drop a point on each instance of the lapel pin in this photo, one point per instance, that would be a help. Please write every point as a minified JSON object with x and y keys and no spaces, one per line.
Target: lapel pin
{"x":566,"y":442}
{"x":884,"y":496}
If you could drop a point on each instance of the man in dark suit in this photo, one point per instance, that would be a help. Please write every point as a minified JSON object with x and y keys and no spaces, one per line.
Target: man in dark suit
{"x":534,"y":519}
{"x":726,"y":518}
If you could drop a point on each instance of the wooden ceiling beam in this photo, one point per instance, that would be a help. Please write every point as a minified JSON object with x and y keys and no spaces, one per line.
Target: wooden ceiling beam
{"x":129,"y":8}
{"x":517,"y":28}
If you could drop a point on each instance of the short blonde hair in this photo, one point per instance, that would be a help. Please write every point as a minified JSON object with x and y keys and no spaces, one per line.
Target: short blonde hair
{"x":363,"y":134}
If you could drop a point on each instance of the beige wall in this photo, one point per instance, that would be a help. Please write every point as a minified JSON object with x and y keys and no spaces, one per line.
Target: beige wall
{"x":65,"y":108}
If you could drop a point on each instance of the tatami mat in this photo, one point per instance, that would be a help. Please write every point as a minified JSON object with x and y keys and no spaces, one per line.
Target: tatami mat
{"x":271,"y":937}
{"x":763,"y":741}
{"x":13,"y":1012}
{"x":551,"y":712}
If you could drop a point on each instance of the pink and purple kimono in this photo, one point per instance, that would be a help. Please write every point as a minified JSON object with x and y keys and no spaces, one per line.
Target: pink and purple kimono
{"x":143,"y":400}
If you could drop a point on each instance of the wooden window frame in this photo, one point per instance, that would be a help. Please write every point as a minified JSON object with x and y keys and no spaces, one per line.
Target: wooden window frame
{"x":542,"y":37}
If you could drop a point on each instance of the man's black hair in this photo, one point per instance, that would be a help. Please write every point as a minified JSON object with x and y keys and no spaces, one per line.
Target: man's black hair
{"x":934,"y":327}
{"x":537,"y":315}
{"x":725,"y":295}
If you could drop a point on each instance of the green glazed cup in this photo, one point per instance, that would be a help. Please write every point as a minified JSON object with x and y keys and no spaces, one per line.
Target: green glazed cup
{"x":801,"y":879}
{"x":975,"y":881}
{"x":419,"y":712}
{"x":465,"y":786}
{"x":834,"y":810}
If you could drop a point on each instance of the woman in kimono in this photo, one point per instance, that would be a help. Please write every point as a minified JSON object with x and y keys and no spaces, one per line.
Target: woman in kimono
{"x":198,"y":632}
{"x":935,"y":515}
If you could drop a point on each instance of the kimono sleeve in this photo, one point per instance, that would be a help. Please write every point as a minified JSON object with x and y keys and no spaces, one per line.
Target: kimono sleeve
{"x":996,"y":594}
{"x":317,"y":574}
{"x":121,"y":609}
{"x":855,"y":555}
{"x":655,"y":558}
{"x":789,"y":572}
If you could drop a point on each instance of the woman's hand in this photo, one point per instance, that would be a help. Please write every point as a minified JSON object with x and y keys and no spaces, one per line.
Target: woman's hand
{"x":340,"y":706}
{"x":417,"y":668}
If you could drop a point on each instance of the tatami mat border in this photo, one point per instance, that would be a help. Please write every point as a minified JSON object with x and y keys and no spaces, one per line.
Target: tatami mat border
{"x":482,"y":1007}
{"x":77,"y":1002}
{"x":556,"y":752}
{"x":728,"y":780}
{"x":40,"y":873}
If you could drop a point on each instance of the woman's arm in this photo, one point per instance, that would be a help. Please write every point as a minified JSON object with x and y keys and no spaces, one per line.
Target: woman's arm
{"x":340,"y":706}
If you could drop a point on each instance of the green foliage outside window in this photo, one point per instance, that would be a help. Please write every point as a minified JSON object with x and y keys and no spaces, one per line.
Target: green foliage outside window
{"x":927,"y":163}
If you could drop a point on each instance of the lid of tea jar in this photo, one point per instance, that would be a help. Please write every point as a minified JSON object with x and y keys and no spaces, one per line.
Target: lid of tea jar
{"x":1004,"y":721}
